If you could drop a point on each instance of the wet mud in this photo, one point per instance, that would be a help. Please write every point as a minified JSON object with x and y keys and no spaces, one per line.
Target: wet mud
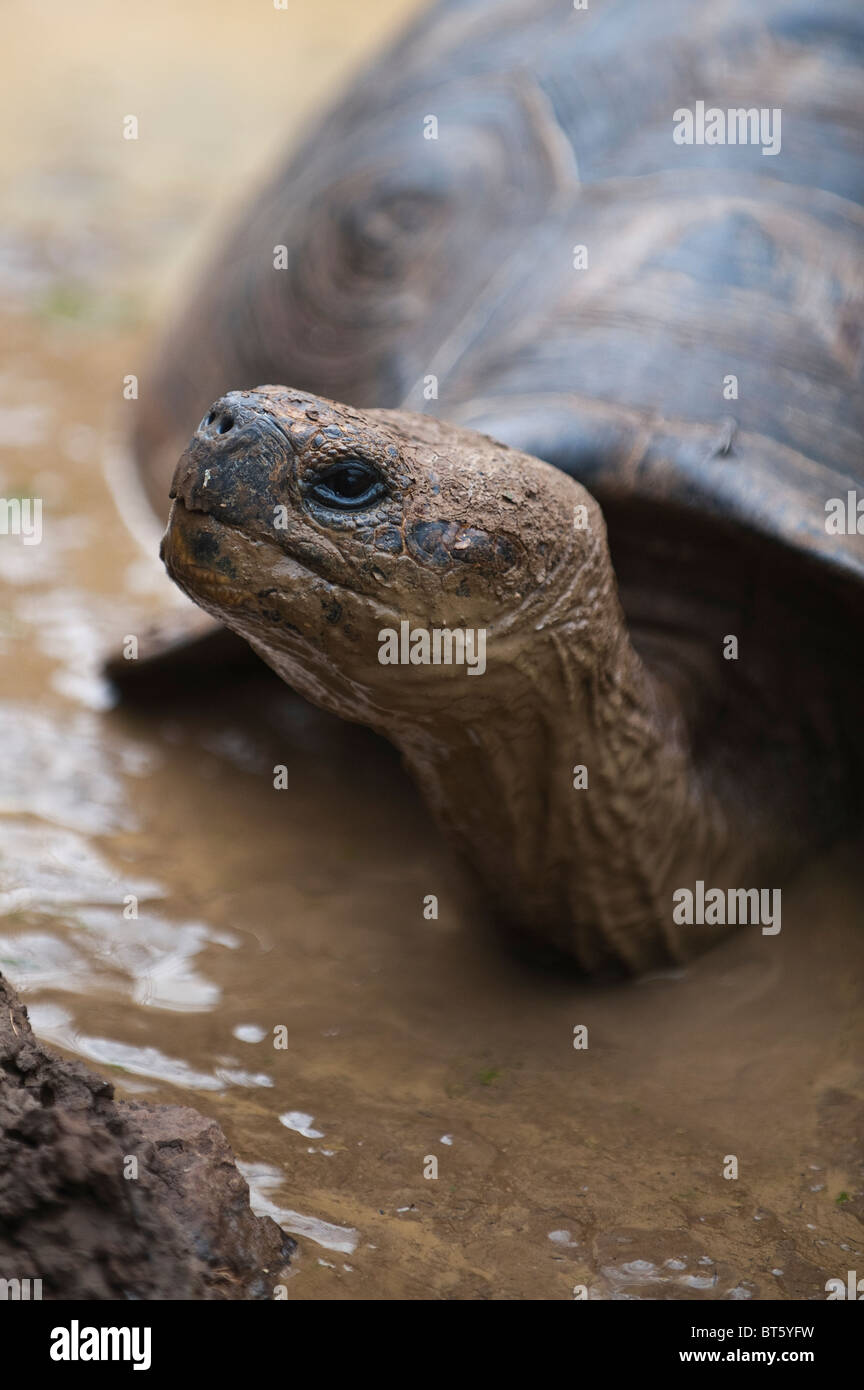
{"x":102,"y":1199}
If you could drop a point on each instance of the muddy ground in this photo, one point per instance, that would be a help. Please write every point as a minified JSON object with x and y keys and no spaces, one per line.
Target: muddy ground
{"x":302,"y":910}
{"x":106,"y":1199}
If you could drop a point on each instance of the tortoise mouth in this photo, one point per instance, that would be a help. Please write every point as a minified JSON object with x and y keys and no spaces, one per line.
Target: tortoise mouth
{"x":194,"y":553}
{"x":218,"y":564}
{"x":200,"y":540}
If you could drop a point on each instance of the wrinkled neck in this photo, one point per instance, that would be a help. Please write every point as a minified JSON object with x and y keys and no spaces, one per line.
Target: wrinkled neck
{"x":568,"y":785}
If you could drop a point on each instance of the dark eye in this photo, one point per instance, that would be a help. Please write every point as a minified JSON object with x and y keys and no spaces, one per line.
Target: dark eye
{"x":348,"y":485}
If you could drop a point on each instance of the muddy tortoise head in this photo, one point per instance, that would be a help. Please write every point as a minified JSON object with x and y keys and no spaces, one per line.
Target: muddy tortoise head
{"x":576,"y":776}
{"x":312,"y":528}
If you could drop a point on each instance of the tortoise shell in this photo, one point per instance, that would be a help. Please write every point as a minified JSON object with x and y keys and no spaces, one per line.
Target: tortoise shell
{"x":497,"y":225}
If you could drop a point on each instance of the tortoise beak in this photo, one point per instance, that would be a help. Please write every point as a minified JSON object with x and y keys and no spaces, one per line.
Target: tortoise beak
{"x":200,"y":555}
{"x":227,"y":467}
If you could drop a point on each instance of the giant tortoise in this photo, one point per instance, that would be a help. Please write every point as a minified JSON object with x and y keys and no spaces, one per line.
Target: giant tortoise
{"x":589,"y":283}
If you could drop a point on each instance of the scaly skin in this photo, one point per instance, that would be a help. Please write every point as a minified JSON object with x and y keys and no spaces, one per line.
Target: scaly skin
{"x":591,"y":871}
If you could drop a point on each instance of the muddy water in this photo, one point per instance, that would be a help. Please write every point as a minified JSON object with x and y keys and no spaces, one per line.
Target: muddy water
{"x":301,"y":910}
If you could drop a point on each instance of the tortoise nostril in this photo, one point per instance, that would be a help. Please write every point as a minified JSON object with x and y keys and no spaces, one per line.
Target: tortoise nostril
{"x":218,"y":420}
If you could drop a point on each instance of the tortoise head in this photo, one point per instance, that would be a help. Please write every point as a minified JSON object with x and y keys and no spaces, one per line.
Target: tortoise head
{"x":318,"y":532}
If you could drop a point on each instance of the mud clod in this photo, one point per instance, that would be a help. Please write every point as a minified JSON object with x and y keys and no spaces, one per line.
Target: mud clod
{"x":181,"y":1229}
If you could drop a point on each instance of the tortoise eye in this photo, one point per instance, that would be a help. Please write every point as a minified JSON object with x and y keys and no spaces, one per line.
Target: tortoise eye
{"x":348,"y":485}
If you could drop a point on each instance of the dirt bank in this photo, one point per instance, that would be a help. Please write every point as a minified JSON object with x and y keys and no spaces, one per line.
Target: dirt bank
{"x":108,"y":1199}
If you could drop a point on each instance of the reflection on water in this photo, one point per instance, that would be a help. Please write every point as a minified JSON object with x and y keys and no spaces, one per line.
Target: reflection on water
{"x":262,"y":1180}
{"x":199,"y":936}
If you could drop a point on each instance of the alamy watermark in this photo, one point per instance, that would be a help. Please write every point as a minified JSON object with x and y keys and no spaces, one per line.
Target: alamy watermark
{"x":727,"y":907}
{"x":844,"y":516}
{"x":21,"y":516}
{"x":77,"y":1343}
{"x":737,"y":126}
{"x":20,"y":1290}
{"x":437,"y":646}
{"x":851,"y":1288}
